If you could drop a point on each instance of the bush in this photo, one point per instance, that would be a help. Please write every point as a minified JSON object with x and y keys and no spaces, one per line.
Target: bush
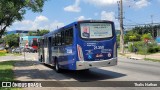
{"x":144,"y":48}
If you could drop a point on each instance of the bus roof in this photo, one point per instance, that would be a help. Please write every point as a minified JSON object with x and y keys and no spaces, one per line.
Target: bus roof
{"x":71,"y":24}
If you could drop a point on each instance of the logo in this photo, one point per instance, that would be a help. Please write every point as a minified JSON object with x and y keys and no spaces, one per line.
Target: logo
{"x":89,"y":56}
{"x":99,"y":55}
{"x":6,"y":84}
{"x":109,"y":54}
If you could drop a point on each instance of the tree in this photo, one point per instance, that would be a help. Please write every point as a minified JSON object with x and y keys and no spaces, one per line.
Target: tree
{"x":42,"y":32}
{"x":132,"y":36}
{"x":147,"y":36}
{"x":12,"y":40}
{"x":31,"y":33}
{"x":38,"y":33}
{"x":12,"y":10}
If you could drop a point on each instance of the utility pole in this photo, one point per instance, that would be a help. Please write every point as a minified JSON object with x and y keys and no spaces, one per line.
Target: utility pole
{"x":152,"y":26}
{"x":121,"y":27}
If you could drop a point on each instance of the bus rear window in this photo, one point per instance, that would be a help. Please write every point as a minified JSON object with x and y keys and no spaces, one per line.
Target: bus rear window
{"x":96,"y":30}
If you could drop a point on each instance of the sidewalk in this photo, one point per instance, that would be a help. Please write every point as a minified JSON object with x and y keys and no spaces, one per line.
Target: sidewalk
{"x":139,"y":57}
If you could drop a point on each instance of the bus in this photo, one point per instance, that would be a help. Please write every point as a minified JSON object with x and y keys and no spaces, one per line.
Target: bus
{"x":80,"y":45}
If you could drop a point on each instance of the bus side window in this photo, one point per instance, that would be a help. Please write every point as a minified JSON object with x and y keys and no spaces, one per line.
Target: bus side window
{"x":59,"y":39}
{"x":45,"y":42}
{"x":56,"y":40}
{"x":53,"y":41}
{"x":69,"y":36}
{"x":63,"y":37}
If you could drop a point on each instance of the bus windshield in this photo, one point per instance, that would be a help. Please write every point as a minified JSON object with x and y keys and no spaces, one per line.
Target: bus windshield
{"x":96,"y":30}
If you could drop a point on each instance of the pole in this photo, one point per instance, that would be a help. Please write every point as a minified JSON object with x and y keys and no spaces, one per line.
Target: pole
{"x":152,"y":26}
{"x":121,"y":28}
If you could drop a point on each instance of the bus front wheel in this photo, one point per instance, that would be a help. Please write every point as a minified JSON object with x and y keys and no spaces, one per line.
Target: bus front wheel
{"x":57,"y":67}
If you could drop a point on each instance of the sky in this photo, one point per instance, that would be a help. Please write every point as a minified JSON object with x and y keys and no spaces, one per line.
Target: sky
{"x":58,"y":13}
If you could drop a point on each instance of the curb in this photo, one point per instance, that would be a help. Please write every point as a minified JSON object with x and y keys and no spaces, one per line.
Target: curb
{"x":135,"y":58}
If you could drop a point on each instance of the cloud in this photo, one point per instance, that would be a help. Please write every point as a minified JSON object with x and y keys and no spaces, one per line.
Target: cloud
{"x":41,"y":18}
{"x":142,"y":3}
{"x":40,"y":22}
{"x":73,"y":8}
{"x":101,"y":2}
{"x":81,"y":18}
{"x":107,"y":16}
{"x":111,"y":17}
{"x":105,"y":3}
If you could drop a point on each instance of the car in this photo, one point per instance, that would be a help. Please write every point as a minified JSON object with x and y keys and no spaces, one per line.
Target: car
{"x":13,"y":50}
{"x":33,"y":50}
{"x":17,"y":50}
{"x":30,"y":50}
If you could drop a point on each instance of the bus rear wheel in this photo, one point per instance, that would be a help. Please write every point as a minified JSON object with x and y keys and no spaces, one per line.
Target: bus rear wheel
{"x":57,"y":67}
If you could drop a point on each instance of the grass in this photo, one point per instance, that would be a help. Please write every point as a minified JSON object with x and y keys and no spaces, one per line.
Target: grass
{"x":3,"y":54}
{"x":6,"y":73}
{"x":17,"y":54}
{"x":154,"y":60}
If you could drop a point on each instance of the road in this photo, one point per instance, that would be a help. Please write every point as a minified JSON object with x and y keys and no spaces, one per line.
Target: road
{"x":126,"y":70}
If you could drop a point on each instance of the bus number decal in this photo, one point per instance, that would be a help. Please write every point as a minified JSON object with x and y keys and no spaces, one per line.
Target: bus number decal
{"x":98,"y":47}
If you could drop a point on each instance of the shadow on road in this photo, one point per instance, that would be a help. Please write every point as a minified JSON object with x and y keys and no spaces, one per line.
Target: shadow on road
{"x":93,"y":74}
{"x":49,"y":73}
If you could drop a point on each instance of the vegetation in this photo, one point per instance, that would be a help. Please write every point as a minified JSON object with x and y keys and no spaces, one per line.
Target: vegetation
{"x":154,"y":60}
{"x":2,"y":53}
{"x":142,"y":38}
{"x":12,"y":40}
{"x":144,"y":48}
{"x":6,"y":73}
{"x":146,"y":36}
{"x":42,"y":32}
{"x":14,"y":10}
{"x":38,"y":33}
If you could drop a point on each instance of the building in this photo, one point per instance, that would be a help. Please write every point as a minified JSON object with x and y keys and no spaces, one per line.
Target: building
{"x":21,"y":32}
{"x":28,"y":41}
{"x":24,"y":40}
{"x":158,"y":36}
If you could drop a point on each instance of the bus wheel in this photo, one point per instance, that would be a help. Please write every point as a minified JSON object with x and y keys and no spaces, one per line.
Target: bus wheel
{"x":41,"y":59}
{"x":57,"y":67}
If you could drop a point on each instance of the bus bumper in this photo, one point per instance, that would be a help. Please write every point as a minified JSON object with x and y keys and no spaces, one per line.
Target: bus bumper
{"x":80,"y":65}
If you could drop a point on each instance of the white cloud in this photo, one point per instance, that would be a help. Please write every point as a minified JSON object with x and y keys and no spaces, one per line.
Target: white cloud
{"x":81,"y":18}
{"x":41,"y":18}
{"x":111,"y":17}
{"x":40,"y":22}
{"x":142,"y":3}
{"x":101,"y":2}
{"x":106,"y":3}
{"x":107,"y":16}
{"x":73,"y":8}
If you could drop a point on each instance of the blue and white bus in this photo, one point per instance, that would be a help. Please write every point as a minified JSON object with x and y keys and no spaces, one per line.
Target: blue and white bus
{"x":80,"y":45}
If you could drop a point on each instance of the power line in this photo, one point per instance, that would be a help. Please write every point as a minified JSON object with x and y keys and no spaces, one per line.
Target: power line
{"x":143,"y":24}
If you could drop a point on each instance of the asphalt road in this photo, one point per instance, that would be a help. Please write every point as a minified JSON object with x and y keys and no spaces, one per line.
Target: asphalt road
{"x":126,"y":70}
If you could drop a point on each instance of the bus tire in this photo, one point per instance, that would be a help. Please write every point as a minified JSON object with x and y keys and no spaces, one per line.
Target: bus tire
{"x":57,"y":67}
{"x":41,"y":58}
